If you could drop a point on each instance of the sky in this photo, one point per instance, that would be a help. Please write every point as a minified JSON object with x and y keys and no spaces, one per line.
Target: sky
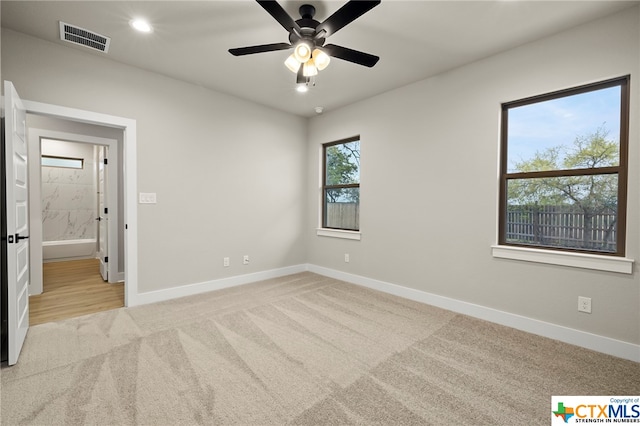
{"x":536,"y":127}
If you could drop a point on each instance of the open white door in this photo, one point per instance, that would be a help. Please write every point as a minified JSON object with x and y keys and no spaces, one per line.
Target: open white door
{"x":103,"y":237}
{"x":17,"y":193}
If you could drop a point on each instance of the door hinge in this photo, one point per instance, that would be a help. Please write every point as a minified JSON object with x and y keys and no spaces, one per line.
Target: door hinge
{"x":106,"y":161}
{"x":106,"y":259}
{"x":106,"y":210}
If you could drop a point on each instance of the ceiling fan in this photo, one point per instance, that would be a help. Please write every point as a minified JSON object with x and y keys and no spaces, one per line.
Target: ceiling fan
{"x":307,"y":38}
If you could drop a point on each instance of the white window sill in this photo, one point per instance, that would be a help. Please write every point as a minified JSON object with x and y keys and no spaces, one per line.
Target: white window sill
{"x":338,"y":233}
{"x":621,"y":265}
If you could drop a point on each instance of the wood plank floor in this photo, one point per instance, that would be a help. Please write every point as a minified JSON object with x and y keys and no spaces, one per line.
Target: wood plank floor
{"x":72,"y":289}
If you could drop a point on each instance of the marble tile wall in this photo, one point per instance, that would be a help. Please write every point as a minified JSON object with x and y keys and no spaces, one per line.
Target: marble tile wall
{"x":69,"y":196}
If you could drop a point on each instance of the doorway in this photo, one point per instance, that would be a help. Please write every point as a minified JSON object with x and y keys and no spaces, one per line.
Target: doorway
{"x":16,"y":257}
{"x":127,"y":156}
{"x":63,"y":201}
{"x":74,"y":205}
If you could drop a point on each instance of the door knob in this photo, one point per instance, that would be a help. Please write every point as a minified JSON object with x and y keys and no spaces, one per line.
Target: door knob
{"x":18,"y":237}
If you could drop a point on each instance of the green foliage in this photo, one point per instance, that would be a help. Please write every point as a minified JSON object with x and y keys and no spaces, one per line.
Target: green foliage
{"x":343,"y":167}
{"x":591,"y":193}
{"x":592,"y":151}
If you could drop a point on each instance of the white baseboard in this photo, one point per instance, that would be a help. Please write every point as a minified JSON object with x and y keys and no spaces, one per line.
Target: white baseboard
{"x":191,"y":289}
{"x":572,"y":336}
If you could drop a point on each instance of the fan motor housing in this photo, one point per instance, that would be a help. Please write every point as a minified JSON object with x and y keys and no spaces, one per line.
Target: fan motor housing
{"x":307,"y":26}
{"x":307,"y":11}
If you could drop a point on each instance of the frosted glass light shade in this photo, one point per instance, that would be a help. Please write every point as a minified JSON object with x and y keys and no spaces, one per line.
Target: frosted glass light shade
{"x":309,"y":69}
{"x":321,"y":59}
{"x":302,"y":52}
{"x":292,"y":63}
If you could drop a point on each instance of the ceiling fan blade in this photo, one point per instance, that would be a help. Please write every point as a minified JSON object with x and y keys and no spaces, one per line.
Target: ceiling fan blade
{"x":350,"y":55}
{"x":249,"y":50}
{"x":345,"y":15}
{"x":279,"y":14}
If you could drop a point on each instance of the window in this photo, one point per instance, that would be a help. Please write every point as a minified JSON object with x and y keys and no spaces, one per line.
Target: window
{"x":341,"y":185}
{"x":69,"y":163}
{"x":564,"y":169}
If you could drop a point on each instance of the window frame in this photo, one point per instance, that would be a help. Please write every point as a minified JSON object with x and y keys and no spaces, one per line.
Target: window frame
{"x":621,"y":170}
{"x":325,"y":187}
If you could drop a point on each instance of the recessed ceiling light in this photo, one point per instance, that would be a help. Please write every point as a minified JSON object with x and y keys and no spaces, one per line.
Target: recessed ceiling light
{"x":141,"y":25}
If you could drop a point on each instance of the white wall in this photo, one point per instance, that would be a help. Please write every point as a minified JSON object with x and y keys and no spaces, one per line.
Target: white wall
{"x":429,"y":190}
{"x":229,"y":174}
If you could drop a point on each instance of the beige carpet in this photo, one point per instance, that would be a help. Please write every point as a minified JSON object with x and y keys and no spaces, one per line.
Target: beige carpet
{"x":302,"y":349}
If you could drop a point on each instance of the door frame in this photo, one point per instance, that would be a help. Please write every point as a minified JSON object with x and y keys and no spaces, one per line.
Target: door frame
{"x":35,"y":199}
{"x":129,"y":165}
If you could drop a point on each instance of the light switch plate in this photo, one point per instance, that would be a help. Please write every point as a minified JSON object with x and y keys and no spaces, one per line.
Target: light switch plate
{"x":147,"y":198}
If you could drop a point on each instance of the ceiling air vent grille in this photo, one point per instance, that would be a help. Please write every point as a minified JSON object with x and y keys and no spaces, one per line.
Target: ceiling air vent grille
{"x":83,"y":37}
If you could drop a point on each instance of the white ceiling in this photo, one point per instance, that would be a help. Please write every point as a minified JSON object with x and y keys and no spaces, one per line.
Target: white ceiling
{"x":414,"y":39}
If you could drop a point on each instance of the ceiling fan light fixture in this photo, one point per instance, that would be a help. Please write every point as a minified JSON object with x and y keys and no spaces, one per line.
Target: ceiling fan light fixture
{"x":302,"y":88}
{"x":309,"y":68}
{"x":307,"y":38}
{"x":292,"y":64}
{"x":302,"y":52}
{"x":321,"y":59}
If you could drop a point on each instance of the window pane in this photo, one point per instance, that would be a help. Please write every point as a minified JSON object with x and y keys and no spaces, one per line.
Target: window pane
{"x":343,"y":163}
{"x":577,"y":212}
{"x":342,"y":208}
{"x":70,"y":163}
{"x":573,"y":132}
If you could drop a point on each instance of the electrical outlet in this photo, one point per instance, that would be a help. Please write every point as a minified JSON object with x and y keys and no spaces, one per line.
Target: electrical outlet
{"x":245,"y":259}
{"x":225,"y":262}
{"x":346,"y":257}
{"x":584,"y":304}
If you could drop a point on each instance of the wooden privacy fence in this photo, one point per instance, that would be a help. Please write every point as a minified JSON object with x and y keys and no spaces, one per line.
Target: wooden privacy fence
{"x":562,"y":226}
{"x":343,"y":215}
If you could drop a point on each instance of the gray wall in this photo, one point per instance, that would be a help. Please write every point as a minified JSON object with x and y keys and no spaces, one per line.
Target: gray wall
{"x":429,"y":190}
{"x":229,"y":174}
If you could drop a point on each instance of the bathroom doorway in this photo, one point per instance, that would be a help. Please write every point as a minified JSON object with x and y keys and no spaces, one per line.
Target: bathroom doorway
{"x":74,"y":214}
